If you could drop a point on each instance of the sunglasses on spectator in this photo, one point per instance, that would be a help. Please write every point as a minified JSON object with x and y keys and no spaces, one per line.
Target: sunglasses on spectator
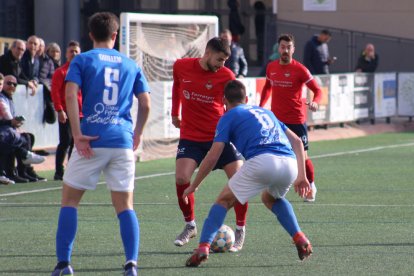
{"x":11,"y":83}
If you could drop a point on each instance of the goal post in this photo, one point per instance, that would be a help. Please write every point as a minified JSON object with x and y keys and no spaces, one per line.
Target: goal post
{"x":155,"y":42}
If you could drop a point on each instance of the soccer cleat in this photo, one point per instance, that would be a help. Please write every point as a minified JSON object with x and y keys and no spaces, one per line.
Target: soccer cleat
{"x":311,"y":196}
{"x":33,"y":158}
{"x":4,"y":180}
{"x":239,"y":240}
{"x":188,"y":233}
{"x":303,"y":246}
{"x":67,"y":270}
{"x":200,"y":255}
{"x":130,"y":270}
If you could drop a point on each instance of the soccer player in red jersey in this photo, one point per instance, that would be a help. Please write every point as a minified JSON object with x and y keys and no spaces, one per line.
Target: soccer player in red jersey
{"x":285,"y":78}
{"x":199,"y":90}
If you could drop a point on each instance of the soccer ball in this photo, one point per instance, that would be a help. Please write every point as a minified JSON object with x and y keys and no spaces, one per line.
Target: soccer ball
{"x":223,"y":240}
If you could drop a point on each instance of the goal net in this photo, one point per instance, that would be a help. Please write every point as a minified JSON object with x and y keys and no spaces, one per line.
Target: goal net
{"x":155,"y":42}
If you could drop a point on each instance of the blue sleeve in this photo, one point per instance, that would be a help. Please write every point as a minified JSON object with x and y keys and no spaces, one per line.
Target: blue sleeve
{"x":223,"y":130}
{"x":75,"y":70}
{"x":140,"y":84}
{"x":282,"y":125}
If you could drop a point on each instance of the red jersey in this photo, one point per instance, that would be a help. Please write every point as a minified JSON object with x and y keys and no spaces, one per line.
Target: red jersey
{"x":200,"y":94}
{"x":286,"y":83}
{"x":58,"y":89}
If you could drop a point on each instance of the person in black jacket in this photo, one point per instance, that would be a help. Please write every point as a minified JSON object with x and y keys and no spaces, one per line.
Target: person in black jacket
{"x":237,"y":61}
{"x":316,"y":54}
{"x":10,"y":65}
{"x":368,"y":60}
{"x":235,"y":24}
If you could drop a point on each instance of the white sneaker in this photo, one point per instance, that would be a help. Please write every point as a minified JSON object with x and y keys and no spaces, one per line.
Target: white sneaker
{"x":239,"y":234}
{"x":33,"y":158}
{"x":311,"y":196}
{"x":6,"y":181}
{"x":188,"y":233}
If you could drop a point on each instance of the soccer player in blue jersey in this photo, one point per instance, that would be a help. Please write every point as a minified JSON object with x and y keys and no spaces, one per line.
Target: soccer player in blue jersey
{"x":274,"y":160}
{"x":104,"y":140}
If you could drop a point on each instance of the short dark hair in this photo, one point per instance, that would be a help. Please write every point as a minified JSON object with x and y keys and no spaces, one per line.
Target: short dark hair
{"x":235,"y":91}
{"x":102,"y":25}
{"x":219,"y":45}
{"x":73,"y":43}
{"x":287,"y":38}
{"x":326,"y":32}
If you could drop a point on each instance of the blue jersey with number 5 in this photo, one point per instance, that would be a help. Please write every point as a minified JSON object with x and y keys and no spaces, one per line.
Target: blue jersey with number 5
{"x":109,"y":81}
{"x":253,"y":130}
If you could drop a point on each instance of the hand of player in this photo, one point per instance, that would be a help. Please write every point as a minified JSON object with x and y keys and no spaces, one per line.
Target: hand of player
{"x":176,"y":121}
{"x":312,"y":106}
{"x":302,"y":187}
{"x":137,"y":141}
{"x":190,"y":189}
{"x":82,"y":144}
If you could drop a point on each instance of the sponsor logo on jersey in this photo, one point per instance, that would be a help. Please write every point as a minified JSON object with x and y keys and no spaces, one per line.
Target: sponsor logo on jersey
{"x":186,"y":94}
{"x":184,"y":80}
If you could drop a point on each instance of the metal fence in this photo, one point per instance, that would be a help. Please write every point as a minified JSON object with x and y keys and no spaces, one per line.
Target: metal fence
{"x":394,"y":53}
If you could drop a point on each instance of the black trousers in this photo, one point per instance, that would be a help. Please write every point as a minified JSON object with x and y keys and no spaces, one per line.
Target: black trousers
{"x":65,"y":146}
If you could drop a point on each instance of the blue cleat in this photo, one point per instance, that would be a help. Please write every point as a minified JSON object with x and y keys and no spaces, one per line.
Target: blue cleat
{"x":67,"y":270}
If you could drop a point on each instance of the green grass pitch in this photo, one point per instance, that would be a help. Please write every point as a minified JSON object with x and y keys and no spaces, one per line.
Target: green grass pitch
{"x":362,"y":222}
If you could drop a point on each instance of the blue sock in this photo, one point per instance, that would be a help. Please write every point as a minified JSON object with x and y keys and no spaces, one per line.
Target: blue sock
{"x":286,"y":216}
{"x":213,"y":223}
{"x":66,"y":232}
{"x":129,"y":227}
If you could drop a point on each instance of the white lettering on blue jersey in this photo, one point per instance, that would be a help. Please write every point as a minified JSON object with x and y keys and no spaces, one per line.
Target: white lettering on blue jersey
{"x":253,"y":130}
{"x":108,"y":81}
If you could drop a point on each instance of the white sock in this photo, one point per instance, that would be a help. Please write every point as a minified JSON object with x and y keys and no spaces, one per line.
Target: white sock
{"x":192,"y":223}
{"x":240,"y":227}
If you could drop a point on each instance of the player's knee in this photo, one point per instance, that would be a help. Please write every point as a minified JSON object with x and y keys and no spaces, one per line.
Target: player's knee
{"x":268,"y":200}
{"x":182,"y":179}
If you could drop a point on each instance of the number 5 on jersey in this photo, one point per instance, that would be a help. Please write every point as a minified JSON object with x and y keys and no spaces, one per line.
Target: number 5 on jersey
{"x":111,"y":85}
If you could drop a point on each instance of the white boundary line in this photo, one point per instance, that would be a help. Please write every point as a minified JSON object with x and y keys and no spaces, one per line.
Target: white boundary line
{"x":99,"y":183}
{"x":171,"y":173}
{"x":24,"y":204}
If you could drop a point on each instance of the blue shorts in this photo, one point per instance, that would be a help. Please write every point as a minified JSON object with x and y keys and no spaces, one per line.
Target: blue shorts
{"x":198,"y":150}
{"x":301,"y":130}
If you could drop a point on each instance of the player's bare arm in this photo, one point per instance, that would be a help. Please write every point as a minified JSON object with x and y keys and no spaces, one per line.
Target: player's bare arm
{"x":317,"y":94}
{"x":301,"y":183}
{"x":176,"y":121}
{"x":206,"y":167}
{"x":144,"y":106}
{"x":82,"y":142}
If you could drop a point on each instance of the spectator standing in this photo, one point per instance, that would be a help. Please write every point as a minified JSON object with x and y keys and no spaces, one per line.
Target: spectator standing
{"x":53,"y":51}
{"x":285,"y":78}
{"x":316,"y":53}
{"x":235,"y":24}
{"x":47,"y":68}
{"x":368,"y":60}
{"x":237,"y":61}
{"x":58,"y":97}
{"x":30,"y":61}
{"x":10,"y":65}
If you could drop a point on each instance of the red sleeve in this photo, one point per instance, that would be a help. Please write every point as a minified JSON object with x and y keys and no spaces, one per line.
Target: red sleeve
{"x":265,"y":93}
{"x":57,"y":83}
{"x":317,"y":92}
{"x":175,"y":108}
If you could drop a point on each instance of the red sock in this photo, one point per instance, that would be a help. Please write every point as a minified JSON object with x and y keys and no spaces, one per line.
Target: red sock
{"x":241,"y":213}
{"x":187,"y":209}
{"x":310,"y":172}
